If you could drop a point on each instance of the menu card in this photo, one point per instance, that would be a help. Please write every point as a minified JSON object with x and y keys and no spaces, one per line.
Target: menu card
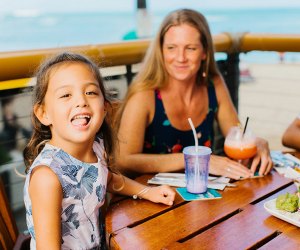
{"x":286,"y":164}
{"x":178,"y":180}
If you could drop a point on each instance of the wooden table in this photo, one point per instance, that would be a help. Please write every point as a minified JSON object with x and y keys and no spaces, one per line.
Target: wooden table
{"x":236,"y":221}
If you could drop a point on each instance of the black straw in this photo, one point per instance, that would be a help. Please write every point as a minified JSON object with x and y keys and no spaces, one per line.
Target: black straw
{"x":245,"y":125}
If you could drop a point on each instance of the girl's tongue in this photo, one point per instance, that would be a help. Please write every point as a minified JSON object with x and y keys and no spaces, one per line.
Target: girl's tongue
{"x":80,"y":120}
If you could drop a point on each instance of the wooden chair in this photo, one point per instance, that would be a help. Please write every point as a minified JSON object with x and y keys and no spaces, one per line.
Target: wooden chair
{"x":9,"y":234}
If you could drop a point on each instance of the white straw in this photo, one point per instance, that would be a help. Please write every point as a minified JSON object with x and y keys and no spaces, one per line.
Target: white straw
{"x":195,"y":134}
{"x":197,"y":167}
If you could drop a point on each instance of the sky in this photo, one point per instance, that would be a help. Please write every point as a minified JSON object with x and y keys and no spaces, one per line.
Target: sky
{"x":130,"y":5}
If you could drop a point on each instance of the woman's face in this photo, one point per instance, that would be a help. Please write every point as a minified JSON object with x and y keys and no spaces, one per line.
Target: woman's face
{"x":183,"y":53}
{"x":74,"y":105}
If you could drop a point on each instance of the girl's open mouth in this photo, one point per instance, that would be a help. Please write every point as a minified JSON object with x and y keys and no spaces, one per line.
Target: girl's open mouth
{"x":81,"y":120}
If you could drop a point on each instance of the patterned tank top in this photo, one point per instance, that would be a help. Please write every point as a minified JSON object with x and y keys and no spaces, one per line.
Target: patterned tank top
{"x":161,"y":137}
{"x":84,"y":188}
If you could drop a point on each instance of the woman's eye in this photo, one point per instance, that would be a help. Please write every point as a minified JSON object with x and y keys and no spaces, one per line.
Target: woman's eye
{"x":170,"y":47}
{"x":191,"y":48}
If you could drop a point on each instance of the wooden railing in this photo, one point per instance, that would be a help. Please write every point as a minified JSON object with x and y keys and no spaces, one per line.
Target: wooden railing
{"x":22,"y":64}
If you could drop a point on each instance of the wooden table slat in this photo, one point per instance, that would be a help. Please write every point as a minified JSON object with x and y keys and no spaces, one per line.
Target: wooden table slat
{"x":168,"y":228}
{"x":252,"y":225}
{"x":236,"y":221}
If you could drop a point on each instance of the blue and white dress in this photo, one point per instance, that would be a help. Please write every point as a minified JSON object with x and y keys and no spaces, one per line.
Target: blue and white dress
{"x":84,"y":189}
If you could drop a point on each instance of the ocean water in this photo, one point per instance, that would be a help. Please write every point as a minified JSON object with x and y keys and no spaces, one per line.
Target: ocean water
{"x":23,"y":30}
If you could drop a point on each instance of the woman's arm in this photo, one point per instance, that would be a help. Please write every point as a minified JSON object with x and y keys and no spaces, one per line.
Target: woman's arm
{"x":291,"y":137}
{"x":125,"y":186}
{"x":46,"y":197}
{"x":227,"y":117}
{"x":138,"y":113}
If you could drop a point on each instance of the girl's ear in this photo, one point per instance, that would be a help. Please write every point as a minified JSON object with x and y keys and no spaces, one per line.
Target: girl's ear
{"x":41,"y":114}
{"x":106,"y":107}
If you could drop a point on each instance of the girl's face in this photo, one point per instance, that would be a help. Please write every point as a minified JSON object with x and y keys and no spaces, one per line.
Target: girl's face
{"x":74,"y":106}
{"x":183,"y":52}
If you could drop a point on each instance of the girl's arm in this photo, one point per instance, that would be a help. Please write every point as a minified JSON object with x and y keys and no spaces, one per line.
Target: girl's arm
{"x":136,"y":116}
{"x":46,"y":197}
{"x":125,"y":186}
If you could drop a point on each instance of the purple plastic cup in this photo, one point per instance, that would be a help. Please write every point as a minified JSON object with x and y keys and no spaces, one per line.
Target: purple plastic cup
{"x":196,"y":168}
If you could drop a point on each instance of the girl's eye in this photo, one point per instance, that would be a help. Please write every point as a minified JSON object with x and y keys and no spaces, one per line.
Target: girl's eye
{"x":92,"y":93}
{"x":65,"y":96}
{"x":191,"y":48}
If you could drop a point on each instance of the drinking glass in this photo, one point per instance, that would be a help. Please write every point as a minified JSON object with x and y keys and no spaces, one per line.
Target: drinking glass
{"x":239,"y":146}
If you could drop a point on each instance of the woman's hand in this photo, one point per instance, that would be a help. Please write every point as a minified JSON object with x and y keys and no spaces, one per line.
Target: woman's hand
{"x":160,"y":194}
{"x":262,"y":157}
{"x":220,"y":165}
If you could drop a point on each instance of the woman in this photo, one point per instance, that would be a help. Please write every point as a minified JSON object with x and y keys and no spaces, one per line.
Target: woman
{"x":179,"y":79}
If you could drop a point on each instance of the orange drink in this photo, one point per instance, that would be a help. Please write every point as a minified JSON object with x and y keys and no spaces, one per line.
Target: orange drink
{"x":239,"y":146}
{"x":240,"y":152}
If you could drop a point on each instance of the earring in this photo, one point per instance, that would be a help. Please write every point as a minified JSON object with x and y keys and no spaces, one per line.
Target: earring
{"x":204,"y":67}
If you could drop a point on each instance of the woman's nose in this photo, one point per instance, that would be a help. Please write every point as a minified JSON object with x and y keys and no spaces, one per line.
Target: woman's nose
{"x":181,"y":56}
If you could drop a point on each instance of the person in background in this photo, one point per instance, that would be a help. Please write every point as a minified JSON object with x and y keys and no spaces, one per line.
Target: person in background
{"x":179,"y":79}
{"x":11,"y":126}
{"x":70,"y":158}
{"x":291,"y":136}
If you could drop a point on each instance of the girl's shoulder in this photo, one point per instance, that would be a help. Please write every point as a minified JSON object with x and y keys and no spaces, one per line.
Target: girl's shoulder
{"x":45,"y":157}
{"x":98,"y":147}
{"x":99,"y":150}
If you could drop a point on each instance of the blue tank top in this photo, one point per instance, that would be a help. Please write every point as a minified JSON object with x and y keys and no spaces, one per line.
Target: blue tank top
{"x":162,"y":138}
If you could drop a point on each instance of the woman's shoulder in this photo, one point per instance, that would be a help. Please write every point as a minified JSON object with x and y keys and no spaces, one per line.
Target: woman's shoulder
{"x":139,"y":109}
{"x":142,"y":99}
{"x":219,"y":84}
{"x":217,"y":80}
{"x":141,"y":95}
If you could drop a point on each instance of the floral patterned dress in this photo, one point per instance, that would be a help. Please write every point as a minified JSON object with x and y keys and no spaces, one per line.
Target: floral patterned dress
{"x":161,"y":137}
{"x":84,"y":189}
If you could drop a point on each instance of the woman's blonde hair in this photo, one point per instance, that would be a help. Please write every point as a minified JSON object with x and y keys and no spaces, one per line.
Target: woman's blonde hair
{"x":153,"y":74}
{"x":41,"y":133}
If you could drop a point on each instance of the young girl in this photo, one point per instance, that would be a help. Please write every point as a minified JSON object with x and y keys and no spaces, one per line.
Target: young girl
{"x":68,"y":156}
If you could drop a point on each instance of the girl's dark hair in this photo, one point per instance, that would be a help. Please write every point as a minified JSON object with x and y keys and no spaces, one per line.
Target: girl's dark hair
{"x":41,"y":133}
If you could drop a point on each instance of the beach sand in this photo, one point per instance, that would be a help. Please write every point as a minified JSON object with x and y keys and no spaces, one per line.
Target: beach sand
{"x":271,"y":100}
